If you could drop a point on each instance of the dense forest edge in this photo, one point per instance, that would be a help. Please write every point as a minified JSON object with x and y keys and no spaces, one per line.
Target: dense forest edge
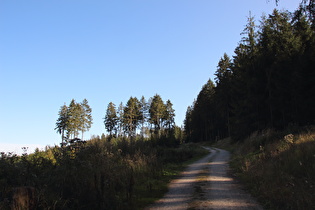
{"x":262,"y":106}
{"x":261,"y":102}
{"x":267,"y":84}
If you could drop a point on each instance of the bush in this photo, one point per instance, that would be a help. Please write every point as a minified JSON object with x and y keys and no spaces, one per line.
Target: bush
{"x":100,"y":174}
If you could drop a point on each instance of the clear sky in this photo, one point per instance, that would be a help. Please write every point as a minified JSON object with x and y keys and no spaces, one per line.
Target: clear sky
{"x":53,"y":51}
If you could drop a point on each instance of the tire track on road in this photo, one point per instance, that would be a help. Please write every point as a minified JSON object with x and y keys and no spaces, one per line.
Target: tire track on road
{"x":206,"y":184}
{"x":181,"y":190}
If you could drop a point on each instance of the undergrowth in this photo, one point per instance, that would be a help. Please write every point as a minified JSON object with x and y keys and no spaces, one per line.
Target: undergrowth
{"x":174,"y":161}
{"x":121,"y":174}
{"x":278,"y":167}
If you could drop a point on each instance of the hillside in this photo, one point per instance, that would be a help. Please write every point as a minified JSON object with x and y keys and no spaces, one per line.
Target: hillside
{"x":277,"y":167}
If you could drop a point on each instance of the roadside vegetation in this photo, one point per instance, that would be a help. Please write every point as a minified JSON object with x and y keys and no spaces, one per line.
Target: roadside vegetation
{"x":99,"y":174}
{"x":277,"y":167}
{"x":127,"y":169}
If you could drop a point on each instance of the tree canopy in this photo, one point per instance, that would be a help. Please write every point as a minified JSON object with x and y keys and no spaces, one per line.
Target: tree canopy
{"x":152,"y":116}
{"x":269,"y":82}
{"x":73,"y":119}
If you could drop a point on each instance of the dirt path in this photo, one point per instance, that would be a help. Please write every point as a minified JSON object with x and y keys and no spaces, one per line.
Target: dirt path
{"x":206,"y":184}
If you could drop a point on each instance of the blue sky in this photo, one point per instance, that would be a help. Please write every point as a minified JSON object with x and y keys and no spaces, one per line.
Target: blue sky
{"x":106,"y":51}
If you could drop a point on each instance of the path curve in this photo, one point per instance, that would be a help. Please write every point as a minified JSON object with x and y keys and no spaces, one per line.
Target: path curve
{"x":206,"y":184}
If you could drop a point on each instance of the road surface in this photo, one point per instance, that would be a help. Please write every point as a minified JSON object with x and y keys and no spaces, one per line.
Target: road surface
{"x":206,"y":184}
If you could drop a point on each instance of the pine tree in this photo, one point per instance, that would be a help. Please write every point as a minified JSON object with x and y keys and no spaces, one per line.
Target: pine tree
{"x":268,"y":83}
{"x":132,"y":116}
{"x":111,"y":119}
{"x":202,"y":117}
{"x":247,"y":85}
{"x":61,"y":124}
{"x":120,"y":119}
{"x":188,"y":122}
{"x":223,"y":93}
{"x":304,"y":74}
{"x":144,"y":111}
{"x":278,"y":47}
{"x":74,"y":123}
{"x":157,"y":113}
{"x":86,"y":116}
{"x":169,"y":115}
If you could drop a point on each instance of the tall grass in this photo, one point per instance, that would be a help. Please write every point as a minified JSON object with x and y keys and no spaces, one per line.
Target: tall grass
{"x":101,"y":174}
{"x":279,"y":168}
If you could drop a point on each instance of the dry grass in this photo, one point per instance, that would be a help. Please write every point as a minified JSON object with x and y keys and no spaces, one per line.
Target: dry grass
{"x":278,"y":168}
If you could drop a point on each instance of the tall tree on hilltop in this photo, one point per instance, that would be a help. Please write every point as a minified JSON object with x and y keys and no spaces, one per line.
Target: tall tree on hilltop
{"x":169,"y":115}
{"x":157,"y":113}
{"x":132,"y":116}
{"x":61,"y":124}
{"x":120,"y":119}
{"x":144,"y":111}
{"x":74,"y":119}
{"x":86,"y":116}
{"x":111,"y":119}
{"x":74,"y":123}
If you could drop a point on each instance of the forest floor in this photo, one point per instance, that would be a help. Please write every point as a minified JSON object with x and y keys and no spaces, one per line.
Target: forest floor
{"x":206,"y":184}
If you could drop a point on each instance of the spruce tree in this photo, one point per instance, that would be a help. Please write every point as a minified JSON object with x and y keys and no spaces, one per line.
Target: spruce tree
{"x":74,"y":123}
{"x":61,"y":124}
{"x":132,"y":116}
{"x":120,"y":119}
{"x":169,"y":115}
{"x":223,"y":93}
{"x":157,"y":113}
{"x":188,"y":122}
{"x":86,"y":116}
{"x":144,"y":111}
{"x":111,"y":119}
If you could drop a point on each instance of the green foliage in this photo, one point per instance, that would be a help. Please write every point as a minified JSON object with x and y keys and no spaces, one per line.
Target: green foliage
{"x":111,"y":119}
{"x":124,"y":173}
{"x":132,"y":116}
{"x":61,"y":124}
{"x":74,"y":122}
{"x":157,"y":112}
{"x":267,"y":84}
{"x":201,"y":120}
{"x":153,"y":117}
{"x":86,"y":117}
{"x":169,"y":115}
{"x":74,"y":118}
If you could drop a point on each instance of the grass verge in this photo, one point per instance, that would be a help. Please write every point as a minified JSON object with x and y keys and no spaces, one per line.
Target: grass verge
{"x":278,"y":168}
{"x":174,"y":161}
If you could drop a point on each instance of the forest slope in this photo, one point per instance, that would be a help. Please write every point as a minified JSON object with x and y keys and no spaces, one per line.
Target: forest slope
{"x":277,"y":167}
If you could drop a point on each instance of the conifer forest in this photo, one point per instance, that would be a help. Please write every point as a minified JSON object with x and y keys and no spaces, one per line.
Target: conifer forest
{"x":268,"y":83}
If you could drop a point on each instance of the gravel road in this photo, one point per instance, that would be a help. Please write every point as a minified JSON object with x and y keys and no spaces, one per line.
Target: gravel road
{"x":206,"y":184}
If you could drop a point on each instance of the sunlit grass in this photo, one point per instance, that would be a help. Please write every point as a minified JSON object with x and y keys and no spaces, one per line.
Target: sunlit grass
{"x":278,"y":168}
